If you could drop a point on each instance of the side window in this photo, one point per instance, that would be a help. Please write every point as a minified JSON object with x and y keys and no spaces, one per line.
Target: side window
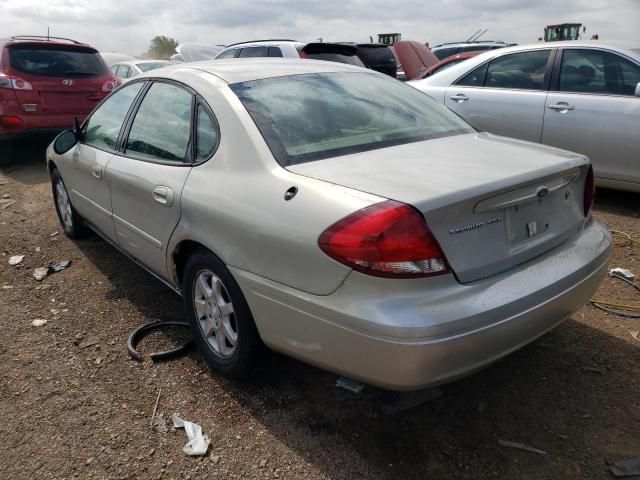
{"x":275,"y":52}
{"x":124,"y":71}
{"x":599,"y":72}
{"x":524,"y":70}
{"x":206,"y":134}
{"x":228,"y":54}
{"x":114,"y":69}
{"x":162,"y":125}
{"x":446,"y":52}
{"x":475,"y":78}
{"x":253,"y":52}
{"x":103,"y":127}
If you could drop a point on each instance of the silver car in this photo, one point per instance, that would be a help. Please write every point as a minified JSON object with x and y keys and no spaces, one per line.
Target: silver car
{"x":580,"y":96}
{"x":333,"y":214}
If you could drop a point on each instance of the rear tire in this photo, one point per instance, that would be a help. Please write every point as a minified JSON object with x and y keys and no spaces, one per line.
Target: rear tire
{"x":221,"y":322}
{"x":7,"y":152}
{"x":70,"y":220}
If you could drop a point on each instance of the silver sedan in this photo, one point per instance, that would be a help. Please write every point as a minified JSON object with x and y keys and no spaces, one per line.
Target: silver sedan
{"x":580,"y":96}
{"x":333,"y":214}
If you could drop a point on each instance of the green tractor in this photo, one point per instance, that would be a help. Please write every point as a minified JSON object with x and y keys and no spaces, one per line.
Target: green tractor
{"x":563,"y":31}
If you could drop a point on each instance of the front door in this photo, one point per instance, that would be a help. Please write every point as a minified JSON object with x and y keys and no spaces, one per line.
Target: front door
{"x":594,"y":111}
{"x":147,"y":176}
{"x":505,"y":96}
{"x":89,"y":191}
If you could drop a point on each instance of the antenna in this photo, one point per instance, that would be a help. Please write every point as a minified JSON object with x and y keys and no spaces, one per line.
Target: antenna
{"x":47,"y":34}
{"x":469,"y":39}
{"x":476,"y":37}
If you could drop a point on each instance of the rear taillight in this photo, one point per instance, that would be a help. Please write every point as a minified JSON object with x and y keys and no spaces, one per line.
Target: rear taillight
{"x":9,"y":122}
{"x":110,"y":85}
{"x":387,"y":239}
{"x":14,"y":83}
{"x":589,"y":191}
{"x":303,"y":54}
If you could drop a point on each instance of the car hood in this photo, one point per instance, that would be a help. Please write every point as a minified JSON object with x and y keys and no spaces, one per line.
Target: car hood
{"x":437,"y":172}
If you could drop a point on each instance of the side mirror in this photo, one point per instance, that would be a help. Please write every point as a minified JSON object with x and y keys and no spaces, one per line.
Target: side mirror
{"x":65,"y":142}
{"x":638,"y":90}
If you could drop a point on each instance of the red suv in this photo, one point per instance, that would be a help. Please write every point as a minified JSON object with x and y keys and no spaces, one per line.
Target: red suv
{"x":44,"y":83}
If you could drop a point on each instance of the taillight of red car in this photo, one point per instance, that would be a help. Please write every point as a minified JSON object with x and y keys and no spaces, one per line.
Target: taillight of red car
{"x":589,"y":192}
{"x":14,"y":83}
{"x":111,"y":85}
{"x":388,"y":239}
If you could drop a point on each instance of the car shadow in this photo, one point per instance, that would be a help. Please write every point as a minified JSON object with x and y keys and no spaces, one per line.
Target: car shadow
{"x":570,"y":393}
{"x":29,"y":165}
{"x":617,"y":202}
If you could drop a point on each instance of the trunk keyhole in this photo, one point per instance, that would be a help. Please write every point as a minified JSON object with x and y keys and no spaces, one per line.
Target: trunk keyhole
{"x":289,"y":194}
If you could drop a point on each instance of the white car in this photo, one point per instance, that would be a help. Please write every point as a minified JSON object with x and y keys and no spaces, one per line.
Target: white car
{"x":579,"y":96}
{"x":133,"y":68}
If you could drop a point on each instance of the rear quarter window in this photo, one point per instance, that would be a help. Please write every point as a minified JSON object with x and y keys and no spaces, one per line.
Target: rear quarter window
{"x":45,"y":61}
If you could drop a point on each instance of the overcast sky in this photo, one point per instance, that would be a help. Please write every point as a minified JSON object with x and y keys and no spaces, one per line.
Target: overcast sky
{"x":128,"y":26}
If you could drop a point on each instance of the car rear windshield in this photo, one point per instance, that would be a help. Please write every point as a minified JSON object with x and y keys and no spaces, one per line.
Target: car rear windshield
{"x":376,"y":55}
{"x":145,"y":67}
{"x":45,"y":61}
{"x":337,"y":57}
{"x":314,"y":116}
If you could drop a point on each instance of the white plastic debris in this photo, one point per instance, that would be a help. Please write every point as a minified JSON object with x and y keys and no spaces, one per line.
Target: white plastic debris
{"x":16,"y":259}
{"x":198,"y":443}
{"x":38,"y":322}
{"x":628,"y":274}
{"x":40,"y":273}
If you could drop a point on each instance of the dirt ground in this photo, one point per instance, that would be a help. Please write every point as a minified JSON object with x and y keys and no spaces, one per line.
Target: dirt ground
{"x":68,"y":410}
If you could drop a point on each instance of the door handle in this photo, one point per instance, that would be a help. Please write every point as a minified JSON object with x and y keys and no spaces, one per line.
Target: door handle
{"x":561,"y":107}
{"x":96,"y":171}
{"x":163,"y":195}
{"x":460,"y":97}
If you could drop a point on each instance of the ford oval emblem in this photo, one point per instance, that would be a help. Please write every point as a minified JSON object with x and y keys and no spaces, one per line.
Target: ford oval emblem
{"x":67,"y":82}
{"x":542,"y":192}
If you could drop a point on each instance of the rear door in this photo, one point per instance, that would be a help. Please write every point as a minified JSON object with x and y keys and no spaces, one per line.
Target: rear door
{"x":506,"y":95}
{"x":147,"y":175}
{"x":592,"y":109}
{"x":64,"y":79}
{"x":85,"y":176}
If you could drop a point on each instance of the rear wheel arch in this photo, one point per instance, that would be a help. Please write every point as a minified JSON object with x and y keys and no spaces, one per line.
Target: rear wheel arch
{"x":181,"y":254}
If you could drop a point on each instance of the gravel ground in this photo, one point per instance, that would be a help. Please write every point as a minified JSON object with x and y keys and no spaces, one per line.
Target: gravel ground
{"x":73,"y":410}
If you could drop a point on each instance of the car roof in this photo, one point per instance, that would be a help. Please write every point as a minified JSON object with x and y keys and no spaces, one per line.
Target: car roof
{"x":141,"y":62}
{"x":42,"y":40}
{"x":469,"y":44}
{"x":247,"y":69}
{"x":260,"y":43}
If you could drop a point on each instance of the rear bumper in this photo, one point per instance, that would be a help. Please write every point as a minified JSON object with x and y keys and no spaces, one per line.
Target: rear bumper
{"x":406,"y":335}
{"x":40,"y":125}
{"x":47,"y":133}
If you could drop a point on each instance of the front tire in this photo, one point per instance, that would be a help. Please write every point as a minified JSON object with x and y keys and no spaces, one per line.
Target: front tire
{"x":221,"y":322}
{"x":70,"y":221}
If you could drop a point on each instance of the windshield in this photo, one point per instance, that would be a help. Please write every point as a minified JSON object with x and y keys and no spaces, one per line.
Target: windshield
{"x":321,"y":115}
{"x":145,"y":67}
{"x":56,"y":62}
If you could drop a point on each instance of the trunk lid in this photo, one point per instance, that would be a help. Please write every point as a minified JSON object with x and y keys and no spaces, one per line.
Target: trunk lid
{"x":491,"y":202}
